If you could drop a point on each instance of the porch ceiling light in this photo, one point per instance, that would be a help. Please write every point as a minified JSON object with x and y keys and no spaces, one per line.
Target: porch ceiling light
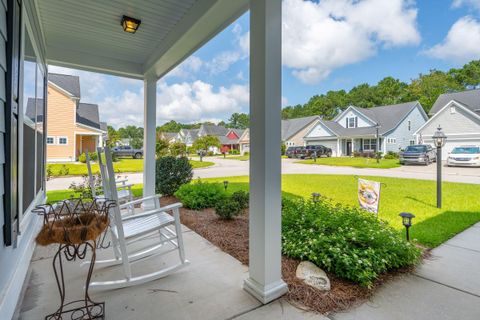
{"x":130,"y":24}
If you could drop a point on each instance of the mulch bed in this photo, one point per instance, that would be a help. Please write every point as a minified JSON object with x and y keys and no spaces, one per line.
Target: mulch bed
{"x":231,"y":236}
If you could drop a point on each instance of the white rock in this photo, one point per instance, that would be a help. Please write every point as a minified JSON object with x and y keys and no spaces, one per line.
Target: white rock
{"x":313,"y":275}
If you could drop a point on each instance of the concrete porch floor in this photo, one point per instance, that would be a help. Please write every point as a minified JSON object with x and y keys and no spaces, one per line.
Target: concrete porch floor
{"x":209,"y":288}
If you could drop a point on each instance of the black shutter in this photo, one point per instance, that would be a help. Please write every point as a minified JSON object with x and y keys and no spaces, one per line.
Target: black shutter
{"x":356,"y":122}
{"x":10,"y":228}
{"x":346,"y":122}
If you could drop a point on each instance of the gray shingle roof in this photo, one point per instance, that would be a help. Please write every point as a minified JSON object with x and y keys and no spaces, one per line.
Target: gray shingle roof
{"x":104,"y":126}
{"x":87,"y":114}
{"x":226,"y":140}
{"x":291,"y":127}
{"x":213,"y":130}
{"x":69,"y":83}
{"x":469,"y":98}
{"x":238,"y":132}
{"x":30,"y":113}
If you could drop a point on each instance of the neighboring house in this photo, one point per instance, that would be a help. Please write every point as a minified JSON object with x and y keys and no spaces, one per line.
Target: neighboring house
{"x":458,"y":114}
{"x":188,"y":136}
{"x":355,"y":129}
{"x":293,"y":131}
{"x":228,"y":137}
{"x":73,"y":127}
{"x":231,"y":140}
{"x":170,"y":137}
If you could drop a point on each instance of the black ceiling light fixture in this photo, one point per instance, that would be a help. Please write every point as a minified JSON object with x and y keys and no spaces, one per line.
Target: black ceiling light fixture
{"x":130,"y":24}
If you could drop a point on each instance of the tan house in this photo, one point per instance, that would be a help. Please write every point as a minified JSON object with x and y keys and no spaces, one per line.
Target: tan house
{"x":73,"y":127}
{"x":293,"y":131}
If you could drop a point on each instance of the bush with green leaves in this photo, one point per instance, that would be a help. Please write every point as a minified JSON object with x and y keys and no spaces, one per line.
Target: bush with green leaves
{"x":234,"y":152}
{"x":391,"y":155}
{"x":346,"y":241}
{"x":83,"y":157}
{"x":171,"y":173}
{"x":200,"y":195}
{"x":227,"y":208}
{"x":241,"y":197}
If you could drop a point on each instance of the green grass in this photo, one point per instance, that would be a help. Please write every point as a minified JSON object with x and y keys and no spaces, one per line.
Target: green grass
{"x":431,"y":226}
{"x":121,"y":166}
{"x":237,"y":157}
{"x":358,"y":162}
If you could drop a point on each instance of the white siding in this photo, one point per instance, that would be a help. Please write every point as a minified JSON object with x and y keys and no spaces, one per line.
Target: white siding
{"x":319,"y":131}
{"x":362,"y":120}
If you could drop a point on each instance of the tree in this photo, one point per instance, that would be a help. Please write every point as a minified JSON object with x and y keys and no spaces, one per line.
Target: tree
{"x":206,"y":142}
{"x":136,"y":143}
{"x":113,"y":136}
{"x":161,"y":148}
{"x":239,"y":121}
{"x":468,"y":76}
{"x":131,"y":132}
{"x":178,"y":149}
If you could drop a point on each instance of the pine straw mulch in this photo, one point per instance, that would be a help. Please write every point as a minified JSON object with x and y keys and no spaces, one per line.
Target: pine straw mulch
{"x":231,"y":236}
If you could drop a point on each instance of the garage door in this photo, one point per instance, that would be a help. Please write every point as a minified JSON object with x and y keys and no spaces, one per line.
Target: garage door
{"x":332,"y":144}
{"x":449,"y":145}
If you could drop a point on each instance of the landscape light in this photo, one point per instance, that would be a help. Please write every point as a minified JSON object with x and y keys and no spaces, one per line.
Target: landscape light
{"x":407,"y":221}
{"x":225,"y":184}
{"x":315,"y":197}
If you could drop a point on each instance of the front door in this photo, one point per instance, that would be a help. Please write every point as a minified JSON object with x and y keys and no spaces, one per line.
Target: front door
{"x":349,"y":148}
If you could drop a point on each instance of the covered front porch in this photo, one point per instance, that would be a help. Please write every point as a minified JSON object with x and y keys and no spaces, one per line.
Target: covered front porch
{"x":87,"y":143}
{"x":215,"y":284}
{"x":351,"y":146}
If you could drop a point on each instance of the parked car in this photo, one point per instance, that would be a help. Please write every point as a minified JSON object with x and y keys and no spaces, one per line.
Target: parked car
{"x":317,"y":151}
{"x":468,"y":156}
{"x":127,"y":151}
{"x":418,"y":154}
{"x":294,"y":152}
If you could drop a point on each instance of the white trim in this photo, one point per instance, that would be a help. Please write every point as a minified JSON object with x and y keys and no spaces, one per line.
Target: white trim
{"x":50,"y":144}
{"x":441,"y":110}
{"x":306,"y":125}
{"x":350,"y":107}
{"x":81,"y":125}
{"x":71,"y":96}
{"x":422,"y":112}
{"x":335,"y":135}
{"x":62,"y":144}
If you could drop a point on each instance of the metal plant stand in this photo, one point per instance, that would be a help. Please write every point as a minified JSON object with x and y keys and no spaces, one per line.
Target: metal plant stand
{"x":75,"y":226}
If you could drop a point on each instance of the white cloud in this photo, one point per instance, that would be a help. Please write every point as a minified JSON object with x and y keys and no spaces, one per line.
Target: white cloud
{"x":461,"y":43}
{"x":198,"y":101}
{"x":474,"y":4}
{"x":320,"y":37}
{"x":187,"y":68}
{"x":222,"y":61}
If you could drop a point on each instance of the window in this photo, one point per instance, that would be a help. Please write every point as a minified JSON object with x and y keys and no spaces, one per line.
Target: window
{"x":412,"y":142}
{"x":409,"y":125}
{"x":50,"y":140}
{"x":352,"y":122}
{"x":391,"y":140}
{"x":452,"y":110}
{"x":369,"y":144}
{"x":62,"y":140}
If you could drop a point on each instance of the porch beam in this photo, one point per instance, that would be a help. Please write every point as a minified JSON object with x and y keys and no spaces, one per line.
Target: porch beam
{"x":149,"y":136}
{"x":265,"y":277}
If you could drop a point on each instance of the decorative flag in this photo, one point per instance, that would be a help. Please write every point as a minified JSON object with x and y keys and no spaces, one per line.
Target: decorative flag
{"x":369,"y":195}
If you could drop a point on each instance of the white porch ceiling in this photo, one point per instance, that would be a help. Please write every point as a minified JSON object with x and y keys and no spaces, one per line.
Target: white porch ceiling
{"x":87,"y":34}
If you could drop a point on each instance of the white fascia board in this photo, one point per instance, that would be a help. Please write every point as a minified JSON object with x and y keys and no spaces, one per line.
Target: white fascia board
{"x":96,"y":131}
{"x":204,"y":20}
{"x":320,"y":122}
{"x":65,"y":92}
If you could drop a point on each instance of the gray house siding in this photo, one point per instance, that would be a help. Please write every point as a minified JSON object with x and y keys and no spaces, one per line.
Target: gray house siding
{"x":401,"y":134}
{"x":460,"y":121}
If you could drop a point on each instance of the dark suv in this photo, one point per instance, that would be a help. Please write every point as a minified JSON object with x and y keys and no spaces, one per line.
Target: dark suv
{"x":418,"y":154}
{"x":295,"y":152}
{"x":317,"y":151}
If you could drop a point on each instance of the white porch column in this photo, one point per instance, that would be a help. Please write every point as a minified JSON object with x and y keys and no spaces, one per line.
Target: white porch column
{"x":265,"y":277}
{"x":149,"y":136}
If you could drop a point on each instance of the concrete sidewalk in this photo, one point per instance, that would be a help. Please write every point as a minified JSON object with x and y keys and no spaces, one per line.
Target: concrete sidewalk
{"x":447,"y":286}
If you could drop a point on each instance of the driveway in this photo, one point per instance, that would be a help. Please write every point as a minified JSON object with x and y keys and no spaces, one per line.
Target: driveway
{"x":225,"y":167}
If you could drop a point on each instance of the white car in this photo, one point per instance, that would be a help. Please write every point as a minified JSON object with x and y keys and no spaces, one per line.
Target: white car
{"x":468,"y":156}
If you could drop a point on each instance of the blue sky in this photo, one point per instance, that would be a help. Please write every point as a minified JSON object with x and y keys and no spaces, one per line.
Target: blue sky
{"x":327,"y":45}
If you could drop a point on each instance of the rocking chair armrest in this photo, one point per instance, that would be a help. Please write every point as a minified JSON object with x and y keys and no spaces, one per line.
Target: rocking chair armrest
{"x":124,"y":186}
{"x":173,"y":206}
{"x":126,"y":204}
{"x":123,"y":181}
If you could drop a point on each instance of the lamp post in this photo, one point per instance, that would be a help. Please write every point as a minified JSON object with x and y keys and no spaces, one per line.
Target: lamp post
{"x":439,"y":139}
{"x":377,"y":155}
{"x":407,"y":221}
{"x":315,"y":197}
{"x":225,"y":184}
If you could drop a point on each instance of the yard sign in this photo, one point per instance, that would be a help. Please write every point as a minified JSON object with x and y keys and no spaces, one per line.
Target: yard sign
{"x":369,"y":195}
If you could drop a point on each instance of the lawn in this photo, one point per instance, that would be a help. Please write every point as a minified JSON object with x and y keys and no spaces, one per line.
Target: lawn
{"x":357,"y":162}
{"x":238,"y":157}
{"x":121,"y":166}
{"x":431,"y":226}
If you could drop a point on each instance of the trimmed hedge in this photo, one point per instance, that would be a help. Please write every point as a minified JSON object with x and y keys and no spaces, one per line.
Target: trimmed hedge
{"x":200,"y":195}
{"x":171,"y":173}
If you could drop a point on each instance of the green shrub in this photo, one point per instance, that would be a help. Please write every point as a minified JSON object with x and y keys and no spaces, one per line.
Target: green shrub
{"x":210,"y":153}
{"x":200,"y":195}
{"x":171,"y":173}
{"x":63,"y":171}
{"x":246,"y":153}
{"x":241,"y":197}
{"x":391,"y":155}
{"x":82,"y":158}
{"x":349,"y":242}
{"x":234,"y":152}
{"x":227,"y":208}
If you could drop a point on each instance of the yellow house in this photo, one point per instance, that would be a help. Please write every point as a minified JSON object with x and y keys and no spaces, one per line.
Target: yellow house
{"x":73,"y":127}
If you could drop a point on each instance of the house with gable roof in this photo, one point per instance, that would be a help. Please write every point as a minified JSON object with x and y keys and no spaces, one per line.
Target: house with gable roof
{"x":358,"y":129}
{"x":458,"y":114}
{"x":73,"y":127}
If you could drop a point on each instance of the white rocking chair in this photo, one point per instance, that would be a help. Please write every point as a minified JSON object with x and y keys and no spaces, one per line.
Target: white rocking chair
{"x":124,"y":189}
{"x":127,"y":230}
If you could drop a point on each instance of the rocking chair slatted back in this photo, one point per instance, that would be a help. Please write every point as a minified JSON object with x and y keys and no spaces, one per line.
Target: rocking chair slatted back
{"x":91,"y":180}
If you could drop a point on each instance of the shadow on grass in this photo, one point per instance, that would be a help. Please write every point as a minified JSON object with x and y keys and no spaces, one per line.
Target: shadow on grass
{"x":237,"y":186}
{"x":421,"y":201}
{"x":438,"y":229}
